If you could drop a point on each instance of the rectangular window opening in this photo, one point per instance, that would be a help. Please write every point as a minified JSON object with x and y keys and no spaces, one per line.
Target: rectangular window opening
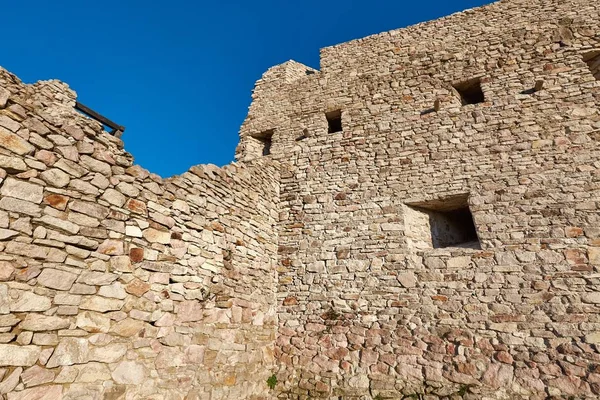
{"x":260,"y":144}
{"x":470,"y":91}
{"x":441,"y":223}
{"x":334,"y":121}
{"x":592,"y":59}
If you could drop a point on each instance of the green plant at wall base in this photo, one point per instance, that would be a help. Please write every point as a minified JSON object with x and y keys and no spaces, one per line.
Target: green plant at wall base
{"x":463,"y":390}
{"x":272,"y":381}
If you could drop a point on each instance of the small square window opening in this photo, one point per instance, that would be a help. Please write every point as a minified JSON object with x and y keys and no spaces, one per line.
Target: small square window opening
{"x":441,"y":223}
{"x":334,"y":121}
{"x":592,"y":59}
{"x":260,"y":144}
{"x":470,"y":91}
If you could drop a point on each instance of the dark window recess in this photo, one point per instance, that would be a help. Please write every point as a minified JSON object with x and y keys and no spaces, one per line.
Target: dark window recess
{"x":334,"y":121}
{"x":450,"y":223}
{"x":470,"y":91}
{"x":592,"y":59}
{"x":260,"y":144}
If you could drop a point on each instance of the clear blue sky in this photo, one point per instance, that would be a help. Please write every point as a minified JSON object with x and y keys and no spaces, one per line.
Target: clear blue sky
{"x":179,"y":74}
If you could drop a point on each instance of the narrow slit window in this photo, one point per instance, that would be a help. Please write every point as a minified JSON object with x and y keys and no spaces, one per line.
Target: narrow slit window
{"x":592,"y":59}
{"x":334,"y":121}
{"x":441,"y":223}
{"x":260,"y":144}
{"x":470,"y":91}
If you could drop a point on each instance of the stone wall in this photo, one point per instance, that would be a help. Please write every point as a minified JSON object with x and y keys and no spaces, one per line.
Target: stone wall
{"x":368,"y":307}
{"x":115,"y":283}
{"x":445,"y":241}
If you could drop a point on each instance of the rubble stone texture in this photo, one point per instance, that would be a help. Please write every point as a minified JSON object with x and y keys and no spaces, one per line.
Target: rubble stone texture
{"x":419,"y":217}
{"x":378,"y":295}
{"x":117,"y":284}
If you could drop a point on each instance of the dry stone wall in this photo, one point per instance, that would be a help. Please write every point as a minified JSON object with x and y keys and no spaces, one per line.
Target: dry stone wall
{"x":117,"y":284}
{"x":493,"y":112}
{"x":419,"y":218}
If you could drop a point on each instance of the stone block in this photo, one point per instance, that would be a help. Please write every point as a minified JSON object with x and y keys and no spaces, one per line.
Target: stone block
{"x":18,"y":356}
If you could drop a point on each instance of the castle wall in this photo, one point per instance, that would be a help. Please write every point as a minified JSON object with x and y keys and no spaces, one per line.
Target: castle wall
{"x":115,"y":283}
{"x":367,"y":305}
{"x":430,"y":246}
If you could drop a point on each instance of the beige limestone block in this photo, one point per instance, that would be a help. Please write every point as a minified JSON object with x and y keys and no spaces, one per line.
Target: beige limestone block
{"x":50,"y":254}
{"x":7,"y":337}
{"x":96,"y":278}
{"x":407,"y":279}
{"x":121,"y":264}
{"x":55,"y":177}
{"x":591,"y":297}
{"x":167,"y":319}
{"x":4,"y":300}
{"x":22,"y":190}
{"x":67,"y":374}
{"x":96,"y":165}
{"x":170,"y":357}
{"x":56,"y":279}
{"x":128,"y":327}
{"x":9,"y":384}
{"x":18,"y":356}
{"x":6,"y":270}
{"x":93,"y":322}
{"x":114,"y":197}
{"x":92,"y":372}
{"x":4,"y":96}
{"x":101,"y":304}
{"x":593,"y":338}
{"x":36,"y":375}
{"x":90,"y":209}
{"x":111,"y":247}
{"x":129,"y":373}
{"x":6,"y":234}
{"x":24,"y":338}
{"x":27,"y":302}
{"x":8,"y":320}
{"x":69,"y":351}
{"x":128,"y":189}
{"x":54,"y":392}
{"x":12,"y":164}
{"x":83,"y":220}
{"x":137,"y":287}
{"x":155,"y":236}
{"x":181,"y":206}
{"x":45,"y":356}
{"x":459,"y":262}
{"x":594,"y":255}
{"x":58,"y":223}
{"x":39,"y":323}
{"x":115,"y":291}
{"x":9,"y":123}
{"x":189,"y":311}
{"x":20,"y":206}
{"x":110,"y":353}
{"x":14,"y":143}
{"x":133,"y":231}
{"x":67,"y":299}
{"x":4,"y":220}
{"x":45,"y":339}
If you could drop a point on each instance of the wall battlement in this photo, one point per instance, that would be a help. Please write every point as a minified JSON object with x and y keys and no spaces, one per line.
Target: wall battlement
{"x":420,"y":217}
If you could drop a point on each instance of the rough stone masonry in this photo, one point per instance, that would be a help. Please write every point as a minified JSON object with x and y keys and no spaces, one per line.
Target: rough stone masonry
{"x":417,"y":219}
